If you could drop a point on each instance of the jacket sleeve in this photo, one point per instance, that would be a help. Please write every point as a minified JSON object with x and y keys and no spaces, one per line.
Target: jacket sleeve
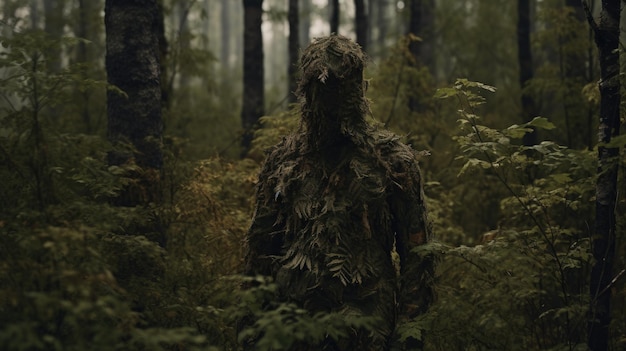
{"x":264,"y":239}
{"x":412,"y":229}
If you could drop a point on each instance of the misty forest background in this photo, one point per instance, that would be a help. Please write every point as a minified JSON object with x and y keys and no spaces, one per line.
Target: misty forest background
{"x":123,"y":230}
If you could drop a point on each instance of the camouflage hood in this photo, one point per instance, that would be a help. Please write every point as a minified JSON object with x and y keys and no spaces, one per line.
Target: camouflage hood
{"x":332,"y":90}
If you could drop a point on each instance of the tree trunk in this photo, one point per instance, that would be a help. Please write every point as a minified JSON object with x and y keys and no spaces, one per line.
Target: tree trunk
{"x":421,"y":23}
{"x":44,"y":188}
{"x":305,"y":22}
{"x":606,"y":31}
{"x":428,"y":34}
{"x":334,"y":16}
{"x":53,"y":26}
{"x":225,"y":36}
{"x":415,"y":27}
{"x":83,"y":56}
{"x":239,"y":27}
{"x":576,"y":71}
{"x":34,"y":14}
{"x":134,"y":118}
{"x":253,"y":87}
{"x":166,"y":89}
{"x":371,"y":45}
{"x":87,"y":54}
{"x":525,"y":60}
{"x":382,"y":26}
{"x":361,"y":24}
{"x":294,"y":47}
{"x":578,"y":9}
{"x":184,"y":37}
{"x":206,"y":24}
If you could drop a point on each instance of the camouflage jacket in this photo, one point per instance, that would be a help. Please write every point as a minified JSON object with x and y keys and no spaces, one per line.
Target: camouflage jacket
{"x":335,"y":228}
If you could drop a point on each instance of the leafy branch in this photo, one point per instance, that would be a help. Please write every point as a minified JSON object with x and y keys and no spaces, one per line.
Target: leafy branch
{"x":463,"y":91}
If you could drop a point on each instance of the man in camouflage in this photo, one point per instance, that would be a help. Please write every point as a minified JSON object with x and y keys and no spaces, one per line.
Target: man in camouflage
{"x":335,"y":201}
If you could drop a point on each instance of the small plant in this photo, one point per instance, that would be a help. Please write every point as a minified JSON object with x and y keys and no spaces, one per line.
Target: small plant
{"x":523,"y":287}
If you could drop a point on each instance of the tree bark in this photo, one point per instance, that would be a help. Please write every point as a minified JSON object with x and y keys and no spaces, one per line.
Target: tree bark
{"x":206,"y":24}
{"x":415,"y":27}
{"x":134,"y":118}
{"x":334,"y":16}
{"x":371,"y":45}
{"x":606,"y":31}
{"x":34,"y":14}
{"x":415,"y":47}
{"x":225,"y":36}
{"x":361,"y":24}
{"x":253,"y":85}
{"x":421,"y":24}
{"x":184,"y":37}
{"x":238,"y":28}
{"x":305,"y":22}
{"x":578,"y":9}
{"x":576,"y":71}
{"x":428,"y":34}
{"x":526,"y":72}
{"x":382,"y":26}
{"x":294,"y":47}
{"x":85,"y":10}
{"x":166,"y":89}
{"x":53,"y":26}
{"x":44,"y":188}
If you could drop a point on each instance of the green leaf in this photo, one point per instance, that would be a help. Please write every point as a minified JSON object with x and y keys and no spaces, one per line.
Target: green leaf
{"x":464,"y":83}
{"x":516,"y":131}
{"x":473,"y":163}
{"x":561,"y":178}
{"x":616,"y":142}
{"x":444,"y":93}
{"x":486,"y":87}
{"x":541,"y":123}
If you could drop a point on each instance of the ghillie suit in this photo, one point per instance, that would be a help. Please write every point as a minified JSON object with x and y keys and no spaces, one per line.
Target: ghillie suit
{"x":334,"y":200}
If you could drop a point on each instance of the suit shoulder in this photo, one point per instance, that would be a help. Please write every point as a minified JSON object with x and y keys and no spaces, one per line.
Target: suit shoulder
{"x":394,"y":150}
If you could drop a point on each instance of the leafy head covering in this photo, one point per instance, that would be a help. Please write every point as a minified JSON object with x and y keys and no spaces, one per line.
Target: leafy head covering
{"x":332,"y":89}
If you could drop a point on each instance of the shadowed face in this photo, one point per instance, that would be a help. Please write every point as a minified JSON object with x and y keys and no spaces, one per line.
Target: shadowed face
{"x":331,"y":87}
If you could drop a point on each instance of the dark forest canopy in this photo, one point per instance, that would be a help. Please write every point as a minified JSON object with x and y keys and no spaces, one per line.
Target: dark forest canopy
{"x":521,"y":224}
